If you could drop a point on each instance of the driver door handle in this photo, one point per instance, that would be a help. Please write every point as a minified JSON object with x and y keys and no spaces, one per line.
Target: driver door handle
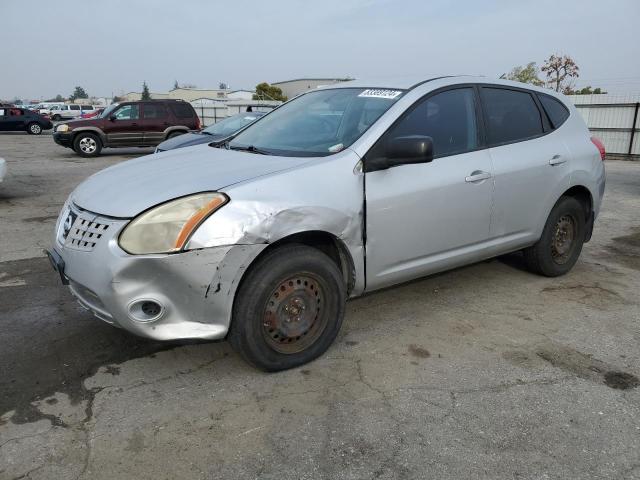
{"x":557,"y":160}
{"x":477,"y":176}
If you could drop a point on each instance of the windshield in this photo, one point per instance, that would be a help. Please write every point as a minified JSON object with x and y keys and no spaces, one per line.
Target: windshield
{"x":318,"y":123}
{"x":107,"y":111}
{"x":232,"y":124}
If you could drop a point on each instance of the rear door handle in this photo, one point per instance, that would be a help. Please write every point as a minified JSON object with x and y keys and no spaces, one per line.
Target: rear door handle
{"x":557,"y":160}
{"x":477,"y":176}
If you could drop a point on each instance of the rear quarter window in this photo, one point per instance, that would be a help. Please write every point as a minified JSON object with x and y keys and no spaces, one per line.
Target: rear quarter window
{"x":511,"y":115}
{"x":182,"y":110}
{"x":556,"y":111}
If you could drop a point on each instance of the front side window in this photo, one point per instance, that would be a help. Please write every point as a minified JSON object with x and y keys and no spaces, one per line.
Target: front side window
{"x":318,"y":123}
{"x":512,"y":115}
{"x":556,"y":111}
{"x":449,"y":118}
{"x":128,"y":112}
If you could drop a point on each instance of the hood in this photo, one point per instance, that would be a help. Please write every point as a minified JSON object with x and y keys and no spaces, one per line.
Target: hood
{"x":187,"y":140}
{"x":131,"y":187}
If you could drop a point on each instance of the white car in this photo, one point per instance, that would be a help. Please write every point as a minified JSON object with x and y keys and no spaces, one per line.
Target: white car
{"x":65,"y":112}
{"x":3,"y":169}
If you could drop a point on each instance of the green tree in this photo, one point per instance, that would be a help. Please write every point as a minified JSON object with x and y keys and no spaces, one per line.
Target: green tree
{"x":117,"y":99}
{"x":587,"y":91}
{"x":264,"y":91}
{"x":78,"y":93}
{"x":526,"y":74}
{"x":560,"y":72}
{"x":58,"y":98}
{"x":176,"y":85}
{"x":145,"y":92}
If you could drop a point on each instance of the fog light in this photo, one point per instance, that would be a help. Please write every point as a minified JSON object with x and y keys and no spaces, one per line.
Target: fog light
{"x":145,"y":310}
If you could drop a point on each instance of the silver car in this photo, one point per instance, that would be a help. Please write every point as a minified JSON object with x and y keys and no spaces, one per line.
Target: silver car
{"x":341,"y":191}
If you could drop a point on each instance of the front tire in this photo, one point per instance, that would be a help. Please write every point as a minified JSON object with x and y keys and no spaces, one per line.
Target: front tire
{"x":87,"y":144}
{"x":289,"y":308}
{"x":561,"y":242}
{"x":34,"y":129}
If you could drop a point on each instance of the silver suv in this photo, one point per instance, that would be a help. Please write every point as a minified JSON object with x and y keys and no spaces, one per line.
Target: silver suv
{"x":341,"y":191}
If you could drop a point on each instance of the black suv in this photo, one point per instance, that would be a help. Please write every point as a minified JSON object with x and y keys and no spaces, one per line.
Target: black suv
{"x":128,"y":124}
{"x":17,"y":119}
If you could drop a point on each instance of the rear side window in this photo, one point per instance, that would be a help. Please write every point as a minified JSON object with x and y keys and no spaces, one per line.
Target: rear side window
{"x":449,"y":118}
{"x":556,"y":111}
{"x":182,"y":110}
{"x":511,"y":115}
{"x":74,"y":107}
{"x":154,"y":111}
{"x":87,"y":107}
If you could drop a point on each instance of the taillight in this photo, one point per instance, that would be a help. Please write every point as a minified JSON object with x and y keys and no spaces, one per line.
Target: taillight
{"x":600,"y":146}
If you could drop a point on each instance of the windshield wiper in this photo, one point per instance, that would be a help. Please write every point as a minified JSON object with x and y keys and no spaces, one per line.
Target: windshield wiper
{"x":249,"y":148}
{"x":204,"y":132}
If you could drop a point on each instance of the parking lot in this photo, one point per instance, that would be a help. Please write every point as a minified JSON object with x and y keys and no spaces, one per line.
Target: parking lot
{"x":487,"y":371}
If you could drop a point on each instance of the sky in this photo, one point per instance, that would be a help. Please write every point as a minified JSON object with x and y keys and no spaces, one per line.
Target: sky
{"x":110,"y":47}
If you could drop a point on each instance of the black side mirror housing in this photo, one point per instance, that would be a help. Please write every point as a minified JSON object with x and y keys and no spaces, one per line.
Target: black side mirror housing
{"x":402,"y":151}
{"x":113,"y":118}
{"x":409,"y":149}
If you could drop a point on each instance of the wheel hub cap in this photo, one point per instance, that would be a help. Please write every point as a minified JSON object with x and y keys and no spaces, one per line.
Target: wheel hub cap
{"x":88,"y":145}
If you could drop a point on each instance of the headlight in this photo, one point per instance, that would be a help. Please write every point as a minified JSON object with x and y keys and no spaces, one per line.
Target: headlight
{"x":168,"y":227}
{"x":62,"y":128}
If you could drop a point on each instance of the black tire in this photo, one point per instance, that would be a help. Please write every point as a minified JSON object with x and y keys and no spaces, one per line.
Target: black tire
{"x":87,"y":144}
{"x":34,"y":128}
{"x":561,"y":242}
{"x":56,"y":118}
{"x":175,"y":134}
{"x":288,"y":309}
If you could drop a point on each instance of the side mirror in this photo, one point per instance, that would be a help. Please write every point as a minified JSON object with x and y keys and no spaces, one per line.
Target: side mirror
{"x":409,"y":149}
{"x":113,"y":118}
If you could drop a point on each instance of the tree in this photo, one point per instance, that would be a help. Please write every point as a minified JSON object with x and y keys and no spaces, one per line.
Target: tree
{"x":78,"y":93}
{"x":587,"y":91}
{"x":145,"y":92}
{"x":526,"y":74}
{"x":264,"y":91}
{"x":117,"y":99}
{"x":176,"y":85}
{"x":223,"y":86}
{"x":560,"y":72}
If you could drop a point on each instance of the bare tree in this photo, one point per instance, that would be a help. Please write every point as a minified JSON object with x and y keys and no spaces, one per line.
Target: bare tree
{"x":560,"y":72}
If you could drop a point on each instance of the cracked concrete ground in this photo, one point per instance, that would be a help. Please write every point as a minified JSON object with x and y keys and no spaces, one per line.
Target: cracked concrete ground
{"x":483,"y":372}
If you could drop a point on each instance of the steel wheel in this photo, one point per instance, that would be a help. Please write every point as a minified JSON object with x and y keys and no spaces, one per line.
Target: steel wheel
{"x":88,"y":145}
{"x":563,"y":239}
{"x":294,"y":315}
{"x":35,"y":129}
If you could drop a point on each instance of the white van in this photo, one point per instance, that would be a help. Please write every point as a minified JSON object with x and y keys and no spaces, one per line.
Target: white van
{"x":65,"y":112}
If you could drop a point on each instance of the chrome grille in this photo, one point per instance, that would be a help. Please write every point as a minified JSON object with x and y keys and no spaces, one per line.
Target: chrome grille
{"x":85,"y":232}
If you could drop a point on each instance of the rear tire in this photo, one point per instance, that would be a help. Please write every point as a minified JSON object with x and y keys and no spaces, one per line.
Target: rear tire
{"x":34,"y":129}
{"x":561,"y":242}
{"x":87,"y":144}
{"x":288,"y":309}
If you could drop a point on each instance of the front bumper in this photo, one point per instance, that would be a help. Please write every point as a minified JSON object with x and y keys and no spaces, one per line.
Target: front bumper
{"x":63,"y":138}
{"x":194,"y":289}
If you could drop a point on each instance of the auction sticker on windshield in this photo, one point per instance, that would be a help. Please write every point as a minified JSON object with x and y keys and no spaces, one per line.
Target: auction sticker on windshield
{"x":377,"y":93}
